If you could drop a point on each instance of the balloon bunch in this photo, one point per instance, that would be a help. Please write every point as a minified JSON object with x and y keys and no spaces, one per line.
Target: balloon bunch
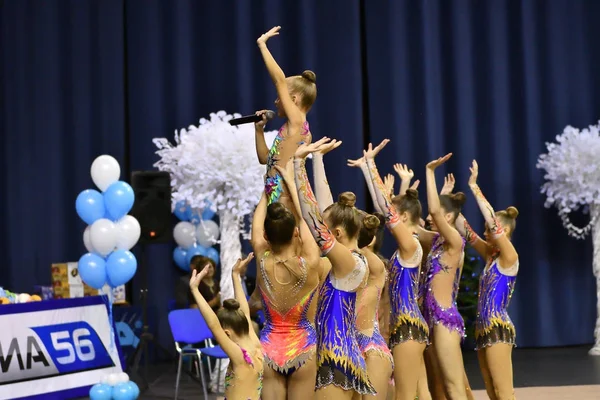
{"x":115,"y":387}
{"x":111,"y":233}
{"x":194,"y":235}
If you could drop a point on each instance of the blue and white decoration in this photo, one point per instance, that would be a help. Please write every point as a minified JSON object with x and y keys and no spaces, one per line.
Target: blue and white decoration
{"x":115,"y":387}
{"x":194,"y":234}
{"x":111,"y":233}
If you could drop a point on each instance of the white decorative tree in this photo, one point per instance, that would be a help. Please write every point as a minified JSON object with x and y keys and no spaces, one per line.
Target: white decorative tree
{"x":572,"y":182}
{"x":217,"y":162}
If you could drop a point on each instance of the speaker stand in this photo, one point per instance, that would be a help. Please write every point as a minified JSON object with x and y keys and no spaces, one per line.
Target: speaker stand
{"x":146,"y":337}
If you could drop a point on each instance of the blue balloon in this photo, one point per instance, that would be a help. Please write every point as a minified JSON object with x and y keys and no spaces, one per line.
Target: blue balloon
{"x":120,"y":267}
{"x":135,"y":389}
{"x":182,"y":210}
{"x":90,"y":206}
{"x":195,"y":218}
{"x":180,"y":258}
{"x":101,"y":392}
{"x":207,"y":213}
{"x":92,"y":269}
{"x":123,"y":391}
{"x":118,"y":199}
{"x":195,"y":250}
{"x":213,"y":254}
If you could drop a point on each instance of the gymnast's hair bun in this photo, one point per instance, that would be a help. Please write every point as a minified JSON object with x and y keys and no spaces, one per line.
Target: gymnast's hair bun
{"x":231,"y":305}
{"x":347,"y":199}
{"x":412,"y":194}
{"x":458,"y":198}
{"x":310,"y":76}
{"x":512,"y":212}
{"x":371,"y":222}
{"x":277,"y":211}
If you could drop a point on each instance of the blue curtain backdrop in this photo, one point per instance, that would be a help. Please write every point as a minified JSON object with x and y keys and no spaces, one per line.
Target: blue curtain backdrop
{"x":488,"y":80}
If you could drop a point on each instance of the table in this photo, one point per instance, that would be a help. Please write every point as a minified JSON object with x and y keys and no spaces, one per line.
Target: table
{"x":56,"y":349}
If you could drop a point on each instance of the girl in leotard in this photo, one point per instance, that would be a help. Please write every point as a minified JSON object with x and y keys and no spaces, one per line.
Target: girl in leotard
{"x":287,"y":280}
{"x":494,"y":331}
{"x":440,"y":288}
{"x":341,"y":369}
{"x":296,"y":95}
{"x":231,"y":329}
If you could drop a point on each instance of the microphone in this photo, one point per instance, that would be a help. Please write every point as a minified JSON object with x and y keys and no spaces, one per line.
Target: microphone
{"x":247,"y":119}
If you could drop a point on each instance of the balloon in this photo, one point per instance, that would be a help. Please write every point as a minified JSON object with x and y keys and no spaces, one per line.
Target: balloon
{"x":90,"y":206}
{"x":180,"y":258}
{"x":182,"y":211}
{"x":195,"y":217}
{"x":123,"y":377}
{"x":208,"y":213}
{"x":195,"y":251}
{"x":92,"y":269}
{"x":101,"y":392}
{"x":105,"y":171}
{"x":122,"y":391}
{"x":113,"y":379}
{"x":103,"y":236}
{"x":207,"y":232}
{"x":87,"y":241}
{"x":213,"y":254}
{"x":118,"y":199}
{"x":184,"y":234}
{"x":135,"y":389}
{"x":120,"y":267}
{"x":128,"y":232}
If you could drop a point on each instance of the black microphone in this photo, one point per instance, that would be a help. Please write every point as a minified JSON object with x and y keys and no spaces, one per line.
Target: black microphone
{"x":247,"y":119}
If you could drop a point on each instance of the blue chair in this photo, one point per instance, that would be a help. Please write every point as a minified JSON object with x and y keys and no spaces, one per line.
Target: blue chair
{"x":188,"y":327}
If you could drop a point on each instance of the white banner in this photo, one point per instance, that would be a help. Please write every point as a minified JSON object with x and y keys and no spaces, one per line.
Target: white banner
{"x":55,"y":346}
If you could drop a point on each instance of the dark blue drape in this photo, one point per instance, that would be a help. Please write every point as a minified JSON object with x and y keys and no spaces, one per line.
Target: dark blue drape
{"x":488,"y":80}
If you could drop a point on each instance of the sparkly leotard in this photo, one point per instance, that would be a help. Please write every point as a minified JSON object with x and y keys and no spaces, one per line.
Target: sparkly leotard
{"x":493,"y":325}
{"x":230,"y":379}
{"x":339,"y":359}
{"x":433,"y":312}
{"x":406,"y":320}
{"x":274,"y":181}
{"x":288,"y":338}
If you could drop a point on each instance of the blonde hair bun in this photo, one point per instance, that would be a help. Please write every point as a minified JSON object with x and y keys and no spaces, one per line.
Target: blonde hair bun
{"x":309,"y":76}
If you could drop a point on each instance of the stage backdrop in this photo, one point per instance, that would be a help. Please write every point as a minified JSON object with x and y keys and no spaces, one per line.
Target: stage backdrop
{"x":488,"y":80}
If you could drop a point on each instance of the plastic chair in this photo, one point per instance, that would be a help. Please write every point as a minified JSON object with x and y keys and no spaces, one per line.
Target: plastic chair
{"x":188,"y":327}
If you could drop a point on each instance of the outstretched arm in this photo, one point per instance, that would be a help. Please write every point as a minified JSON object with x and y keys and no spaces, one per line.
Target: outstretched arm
{"x":239,"y":270}
{"x":257,"y":240}
{"x":465,"y":230}
{"x":362,"y":163}
{"x":292,"y":112}
{"x":232,"y":350}
{"x":508,"y":254}
{"x":262,"y":150}
{"x":341,"y":258}
{"x":435,"y":209}
{"x":401,"y":233}
{"x":405,"y":175}
{"x":322,"y":190}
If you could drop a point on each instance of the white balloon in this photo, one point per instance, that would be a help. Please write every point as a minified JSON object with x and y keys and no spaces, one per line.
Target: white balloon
{"x":103,"y":236}
{"x":87,"y":241}
{"x":123,"y":377}
{"x":184,"y":234}
{"x":129,"y":232}
{"x":104,"y":380}
{"x":113,"y":380}
{"x":207,"y":233}
{"x":105,"y":171}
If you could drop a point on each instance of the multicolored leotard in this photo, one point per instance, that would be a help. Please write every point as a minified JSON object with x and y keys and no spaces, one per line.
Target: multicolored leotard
{"x":496,"y":286}
{"x":406,"y":320}
{"x":274,"y":181}
{"x":288,"y":339}
{"x":433,"y":312}
{"x":339,"y":359}
{"x":230,"y":379}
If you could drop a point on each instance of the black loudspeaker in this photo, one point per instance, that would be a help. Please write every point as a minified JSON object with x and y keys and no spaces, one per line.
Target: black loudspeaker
{"x":152,"y":206}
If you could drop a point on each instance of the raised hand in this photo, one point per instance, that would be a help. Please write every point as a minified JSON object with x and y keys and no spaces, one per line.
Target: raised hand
{"x":372,"y":152}
{"x":415,"y":185}
{"x":359,"y":162}
{"x":449,"y":183}
{"x":474,"y":173}
{"x":266,"y":36}
{"x":388,"y":182}
{"x":261,"y":124}
{"x":197,"y":277}
{"x":306,"y":149}
{"x":403,"y":172}
{"x":327,"y":147}
{"x":436,"y":163}
{"x":241,"y":266}
{"x":287,"y":173}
